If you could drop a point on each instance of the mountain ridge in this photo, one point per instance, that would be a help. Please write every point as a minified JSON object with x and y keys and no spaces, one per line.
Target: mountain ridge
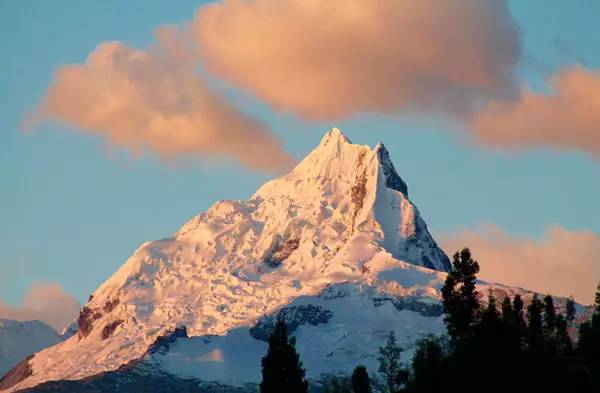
{"x":21,"y":338}
{"x":336,"y":245}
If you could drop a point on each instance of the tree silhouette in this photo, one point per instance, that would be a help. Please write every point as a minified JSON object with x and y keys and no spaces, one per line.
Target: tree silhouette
{"x":428,"y":367}
{"x":281,"y":367}
{"x":535,"y":335}
{"x":589,"y":335}
{"x":460,"y":297}
{"x":570,"y":310}
{"x":389,"y":363}
{"x":360,"y":380}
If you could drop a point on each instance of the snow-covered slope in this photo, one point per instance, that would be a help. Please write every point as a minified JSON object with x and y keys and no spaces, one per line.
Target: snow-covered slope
{"x":335,"y":246}
{"x":20,"y":339}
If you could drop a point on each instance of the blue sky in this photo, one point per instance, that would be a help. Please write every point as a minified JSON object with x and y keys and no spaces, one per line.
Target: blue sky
{"x":72,"y":211}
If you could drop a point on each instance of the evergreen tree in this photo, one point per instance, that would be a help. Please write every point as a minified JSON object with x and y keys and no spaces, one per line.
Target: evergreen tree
{"x":488,"y":364}
{"x":549,"y":315}
{"x":597,"y":300}
{"x":571,"y":311}
{"x":491,"y":315}
{"x":389,"y":363}
{"x":460,"y":297}
{"x":563,"y":340}
{"x":281,"y":367}
{"x":589,"y":335}
{"x":428,"y":369}
{"x":550,"y":338}
{"x":508,"y":315}
{"x":589,"y":340}
{"x":535,"y":336}
{"x":520,"y":327}
{"x":360,"y":380}
{"x":489,"y":328}
{"x":510,"y":332}
{"x":488,"y":345}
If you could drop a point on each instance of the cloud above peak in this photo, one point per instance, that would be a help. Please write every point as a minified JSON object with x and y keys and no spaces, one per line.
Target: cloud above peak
{"x":329,"y":59}
{"x":563,"y":262}
{"x":155,"y":100}
{"x":320,"y":60}
{"x":567,"y":118}
{"x":47,"y":302}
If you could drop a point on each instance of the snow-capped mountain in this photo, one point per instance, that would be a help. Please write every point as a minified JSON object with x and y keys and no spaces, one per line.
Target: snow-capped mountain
{"x":335,"y":247}
{"x":20,"y":339}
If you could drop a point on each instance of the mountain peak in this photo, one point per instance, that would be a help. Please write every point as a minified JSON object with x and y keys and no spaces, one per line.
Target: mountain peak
{"x":334,"y":135}
{"x":359,"y":188}
{"x":342,"y":215}
{"x":337,"y":158}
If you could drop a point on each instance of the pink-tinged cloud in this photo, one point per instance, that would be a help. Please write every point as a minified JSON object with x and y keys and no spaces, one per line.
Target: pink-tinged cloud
{"x":45,"y":302}
{"x":562,"y":263}
{"x":568,"y":118}
{"x":329,"y":59}
{"x":155,"y":100}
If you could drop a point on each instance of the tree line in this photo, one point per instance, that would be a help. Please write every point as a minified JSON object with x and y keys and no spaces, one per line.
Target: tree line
{"x":489,"y":347}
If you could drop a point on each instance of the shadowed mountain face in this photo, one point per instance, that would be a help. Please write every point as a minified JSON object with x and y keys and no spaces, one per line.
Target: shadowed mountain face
{"x":335,"y":246}
{"x":20,"y":339}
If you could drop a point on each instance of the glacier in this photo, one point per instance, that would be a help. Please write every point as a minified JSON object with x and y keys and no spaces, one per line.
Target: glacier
{"x":335,"y":247}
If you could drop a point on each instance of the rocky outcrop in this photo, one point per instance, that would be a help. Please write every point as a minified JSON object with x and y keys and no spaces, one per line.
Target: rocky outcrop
{"x":108,"y":330}
{"x":281,"y":252}
{"x":392,"y":179}
{"x":358,"y":192}
{"x":426,"y":308}
{"x":85,"y":321}
{"x":293,"y":317}
{"x":162,"y":343}
{"x":110,"y":305}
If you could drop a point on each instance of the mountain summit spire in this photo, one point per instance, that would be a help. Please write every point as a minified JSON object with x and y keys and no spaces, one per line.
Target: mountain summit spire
{"x":335,"y":135}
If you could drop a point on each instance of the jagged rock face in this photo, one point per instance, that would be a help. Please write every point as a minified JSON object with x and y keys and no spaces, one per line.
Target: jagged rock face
{"x":425,"y":308}
{"x":392,"y":180}
{"x":333,"y":219}
{"x":293,"y":317}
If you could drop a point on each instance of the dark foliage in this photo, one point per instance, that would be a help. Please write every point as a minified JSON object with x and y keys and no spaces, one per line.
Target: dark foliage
{"x":494,"y":351}
{"x":589,"y":335}
{"x":460,"y":297}
{"x":360,"y":380}
{"x":429,"y":368}
{"x":535,"y":334}
{"x":549,"y":313}
{"x":390,"y":368}
{"x":570,"y":310}
{"x":281,"y":368}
